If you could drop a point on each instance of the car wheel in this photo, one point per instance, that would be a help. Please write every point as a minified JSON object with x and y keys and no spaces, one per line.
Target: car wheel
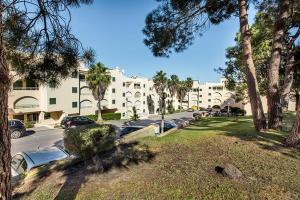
{"x":16,"y":134}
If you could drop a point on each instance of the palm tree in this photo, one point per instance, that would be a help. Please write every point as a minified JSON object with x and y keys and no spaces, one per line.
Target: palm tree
{"x":98,"y":79}
{"x":189,"y":85}
{"x":172,"y":86}
{"x":160,"y":84}
{"x":182,"y":90}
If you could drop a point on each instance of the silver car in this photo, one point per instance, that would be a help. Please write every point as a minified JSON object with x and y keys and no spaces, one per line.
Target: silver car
{"x":23,"y":162}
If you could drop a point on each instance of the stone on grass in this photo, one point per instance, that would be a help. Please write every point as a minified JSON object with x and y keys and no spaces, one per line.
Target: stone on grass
{"x":229,"y":171}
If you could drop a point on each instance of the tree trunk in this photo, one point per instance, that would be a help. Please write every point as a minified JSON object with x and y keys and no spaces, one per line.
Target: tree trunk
{"x":259,"y":119}
{"x":5,"y":157}
{"x":288,"y":81}
{"x":99,"y":111}
{"x":297,"y":95}
{"x":293,"y":139}
{"x":273,"y":93}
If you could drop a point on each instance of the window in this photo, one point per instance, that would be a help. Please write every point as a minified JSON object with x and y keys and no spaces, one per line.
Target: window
{"x":144,"y":94}
{"x":123,"y":104}
{"x":144,"y":85}
{"x":51,"y":84}
{"x":74,"y":89}
{"x":200,"y":101}
{"x":209,"y":100}
{"x":144,"y":110}
{"x":123,"y":84}
{"x":113,"y":79}
{"x":200,"y":95}
{"x":47,"y":115}
{"x":74,"y":104}
{"x":123,"y":114}
{"x":200,"y":89}
{"x":123,"y":94}
{"x":113,"y":90}
{"x":74,"y":74}
{"x":113,"y":101}
{"x":209,"y":94}
{"x":144,"y":102}
{"x":209,"y":88}
{"x":52,"y":101}
{"x":81,"y":77}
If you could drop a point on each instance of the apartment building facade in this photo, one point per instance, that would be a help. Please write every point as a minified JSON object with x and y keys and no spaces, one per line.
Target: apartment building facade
{"x":29,"y":101}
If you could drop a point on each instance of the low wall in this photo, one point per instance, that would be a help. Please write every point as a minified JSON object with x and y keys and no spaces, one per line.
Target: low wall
{"x":145,"y":132}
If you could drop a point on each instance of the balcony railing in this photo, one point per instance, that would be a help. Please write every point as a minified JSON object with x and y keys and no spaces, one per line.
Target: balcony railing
{"x":26,"y":106}
{"x":25,"y":88}
{"x":137,"y":87}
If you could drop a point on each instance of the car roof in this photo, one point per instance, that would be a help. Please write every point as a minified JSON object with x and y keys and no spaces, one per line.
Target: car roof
{"x":133,"y":126}
{"x":44,"y":156}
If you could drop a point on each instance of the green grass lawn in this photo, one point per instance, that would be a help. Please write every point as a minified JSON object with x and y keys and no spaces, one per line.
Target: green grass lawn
{"x":182,"y":167}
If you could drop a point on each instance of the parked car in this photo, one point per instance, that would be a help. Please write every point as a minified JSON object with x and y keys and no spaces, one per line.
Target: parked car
{"x":23,"y":162}
{"x":190,"y":110}
{"x":17,"y":128}
{"x":167,"y":125}
{"x":129,"y":129}
{"x":73,"y":121}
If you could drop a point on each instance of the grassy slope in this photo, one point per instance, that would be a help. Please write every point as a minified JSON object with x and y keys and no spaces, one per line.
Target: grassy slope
{"x":183,"y":168}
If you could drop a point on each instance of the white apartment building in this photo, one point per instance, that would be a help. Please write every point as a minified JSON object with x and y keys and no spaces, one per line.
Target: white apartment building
{"x":45,"y":104}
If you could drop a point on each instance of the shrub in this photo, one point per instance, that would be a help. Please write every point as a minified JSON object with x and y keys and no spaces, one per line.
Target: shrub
{"x":135,"y":116}
{"x":105,"y":116}
{"x":29,"y":124}
{"x":170,"y":109}
{"x":236,"y":111}
{"x":86,"y":141}
{"x":92,"y":117}
{"x":111,"y":116}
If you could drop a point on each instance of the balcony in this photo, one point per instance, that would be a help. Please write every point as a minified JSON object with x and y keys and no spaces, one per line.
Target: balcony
{"x":25,"y":88}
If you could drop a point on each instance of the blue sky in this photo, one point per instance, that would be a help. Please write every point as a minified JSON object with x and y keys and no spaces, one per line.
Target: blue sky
{"x":113,"y":28}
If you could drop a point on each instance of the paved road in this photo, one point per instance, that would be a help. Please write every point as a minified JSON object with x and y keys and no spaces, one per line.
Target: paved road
{"x":43,"y":137}
{"x":40,"y":137}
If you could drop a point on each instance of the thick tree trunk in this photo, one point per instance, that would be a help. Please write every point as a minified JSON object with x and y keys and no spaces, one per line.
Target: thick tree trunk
{"x":99,"y":111}
{"x":288,"y":81}
{"x":273,"y":93}
{"x":259,"y":119}
{"x":293,"y":139}
{"x":297,"y":95}
{"x":5,"y":157}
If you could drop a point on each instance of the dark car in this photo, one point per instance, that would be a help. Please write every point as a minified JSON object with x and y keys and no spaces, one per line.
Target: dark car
{"x":73,"y":121}
{"x":167,"y":125}
{"x":129,"y":129}
{"x":16,"y":128}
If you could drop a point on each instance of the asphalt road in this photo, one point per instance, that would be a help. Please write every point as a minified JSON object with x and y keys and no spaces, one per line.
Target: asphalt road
{"x":43,"y":137}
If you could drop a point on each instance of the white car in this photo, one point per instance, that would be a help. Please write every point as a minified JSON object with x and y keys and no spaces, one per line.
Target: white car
{"x":23,"y":162}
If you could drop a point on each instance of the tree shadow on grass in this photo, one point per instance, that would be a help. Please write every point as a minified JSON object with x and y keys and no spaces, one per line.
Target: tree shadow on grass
{"x":121,"y":157}
{"x":76,"y":173}
{"x":244,"y":130}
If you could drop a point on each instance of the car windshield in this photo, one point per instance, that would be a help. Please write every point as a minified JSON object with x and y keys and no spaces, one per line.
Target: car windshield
{"x":19,"y":164}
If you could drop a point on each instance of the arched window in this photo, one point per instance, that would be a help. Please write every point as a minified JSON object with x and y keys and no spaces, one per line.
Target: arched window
{"x":137,"y":95}
{"x":86,"y":104}
{"x":26,"y":102}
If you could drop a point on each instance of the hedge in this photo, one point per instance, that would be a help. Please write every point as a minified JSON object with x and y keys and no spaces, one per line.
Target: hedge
{"x":106,"y":116}
{"x":86,"y":141}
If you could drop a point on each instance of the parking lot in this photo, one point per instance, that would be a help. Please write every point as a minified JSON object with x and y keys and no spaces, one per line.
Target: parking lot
{"x":42,"y":137}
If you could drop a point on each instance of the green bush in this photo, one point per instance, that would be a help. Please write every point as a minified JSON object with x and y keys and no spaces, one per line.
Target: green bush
{"x":105,"y":116}
{"x":92,"y":117}
{"x":86,"y":141}
{"x":111,"y":116}
{"x":29,"y":124}
{"x":135,"y":116}
{"x":236,"y":111}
